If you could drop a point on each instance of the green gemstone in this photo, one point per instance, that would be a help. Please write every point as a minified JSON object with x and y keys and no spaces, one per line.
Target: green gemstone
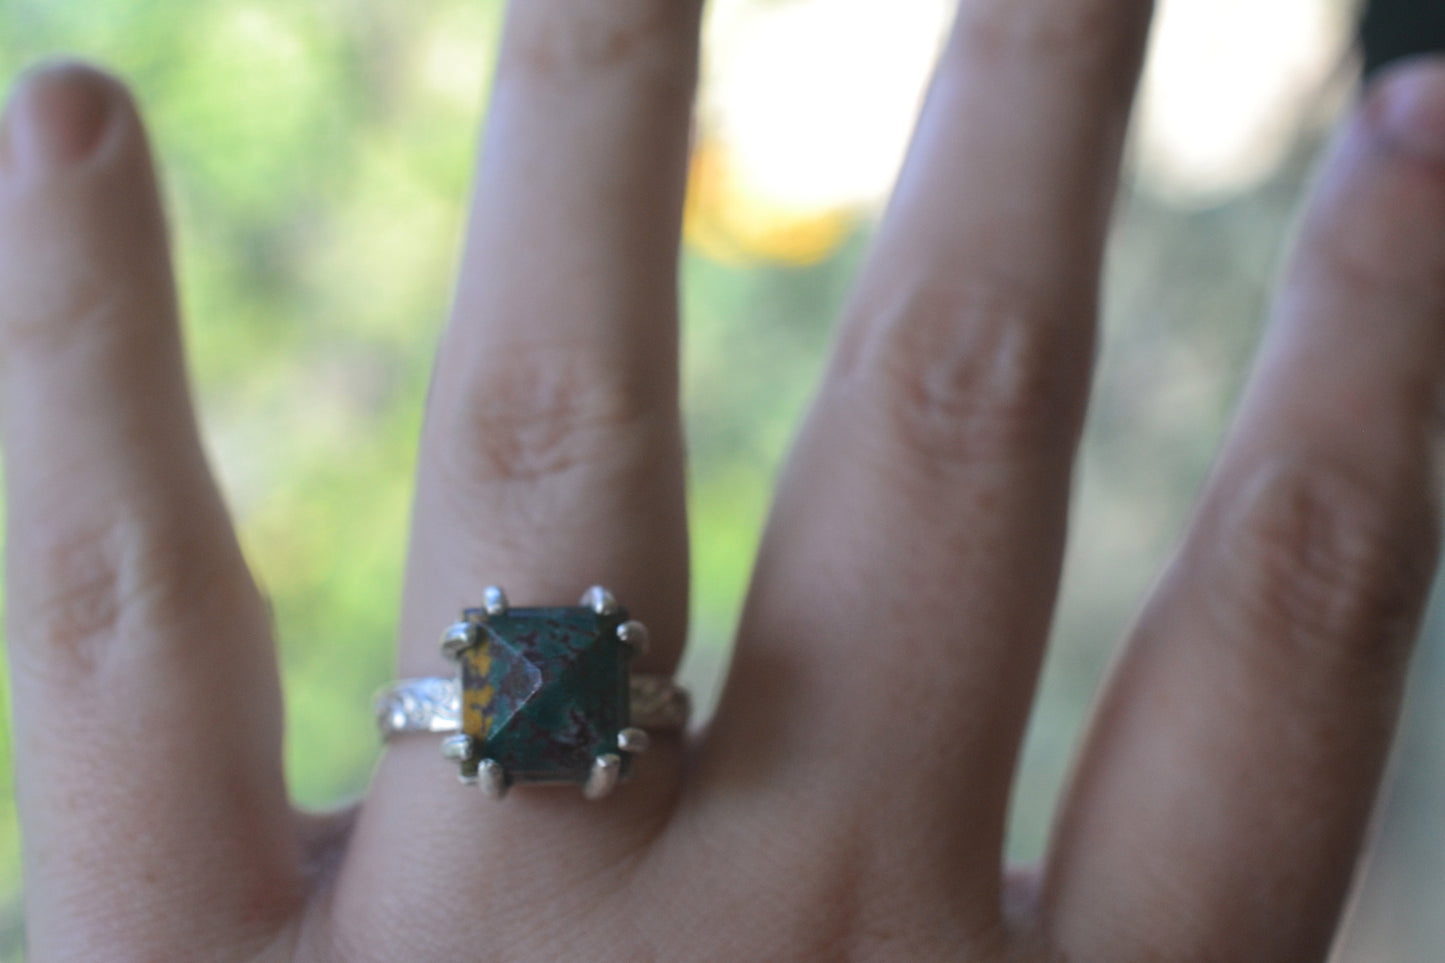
{"x":545,"y":692}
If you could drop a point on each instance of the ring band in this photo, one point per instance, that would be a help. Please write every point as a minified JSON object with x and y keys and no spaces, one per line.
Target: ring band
{"x":541,"y":695}
{"x":434,"y":705}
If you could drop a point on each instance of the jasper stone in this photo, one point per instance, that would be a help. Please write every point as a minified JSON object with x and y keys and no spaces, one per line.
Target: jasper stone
{"x":545,"y":692}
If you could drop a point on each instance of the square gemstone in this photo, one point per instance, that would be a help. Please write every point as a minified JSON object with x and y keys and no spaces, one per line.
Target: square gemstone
{"x":545,"y":692}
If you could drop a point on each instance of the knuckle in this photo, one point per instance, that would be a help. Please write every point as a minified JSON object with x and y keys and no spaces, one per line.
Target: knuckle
{"x":579,"y":41}
{"x":1097,"y":36}
{"x":1377,"y":252}
{"x":536,"y":418}
{"x":1323,"y":564}
{"x":119,"y":590}
{"x":978,"y":372}
{"x":1375,"y":227}
{"x":72,"y":289}
{"x":75,"y":601}
{"x":74,"y":316}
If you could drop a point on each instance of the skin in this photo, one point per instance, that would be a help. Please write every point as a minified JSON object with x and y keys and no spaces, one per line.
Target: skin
{"x":849,"y":801}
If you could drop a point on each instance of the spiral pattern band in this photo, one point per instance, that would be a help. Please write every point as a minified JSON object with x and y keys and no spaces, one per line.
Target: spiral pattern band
{"x":433,"y":705}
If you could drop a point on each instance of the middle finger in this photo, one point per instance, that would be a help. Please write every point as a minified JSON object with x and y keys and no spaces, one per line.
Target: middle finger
{"x":906,"y":582}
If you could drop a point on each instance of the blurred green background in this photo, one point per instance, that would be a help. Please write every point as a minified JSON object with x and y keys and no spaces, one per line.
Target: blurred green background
{"x":317,"y":160}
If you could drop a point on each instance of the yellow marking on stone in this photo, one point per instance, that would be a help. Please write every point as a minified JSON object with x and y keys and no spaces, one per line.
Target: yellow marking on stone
{"x":476,"y":719}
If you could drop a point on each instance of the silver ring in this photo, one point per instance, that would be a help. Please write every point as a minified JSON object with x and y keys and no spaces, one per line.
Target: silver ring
{"x":434,"y":705}
{"x":541,"y":695}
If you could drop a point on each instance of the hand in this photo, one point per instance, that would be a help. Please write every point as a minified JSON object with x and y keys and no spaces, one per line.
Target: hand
{"x":849,"y":800}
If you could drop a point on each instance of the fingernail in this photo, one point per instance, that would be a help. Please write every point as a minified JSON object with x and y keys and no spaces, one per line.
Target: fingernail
{"x":1411,"y":108}
{"x":56,"y":117}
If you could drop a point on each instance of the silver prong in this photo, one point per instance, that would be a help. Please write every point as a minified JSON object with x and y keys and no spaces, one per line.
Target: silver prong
{"x":635,"y":636}
{"x":492,"y":778}
{"x":459,"y":748}
{"x":457,"y":639}
{"x":599,"y":600}
{"x":494,"y":600}
{"x":606,"y":769}
{"x":633,"y":740}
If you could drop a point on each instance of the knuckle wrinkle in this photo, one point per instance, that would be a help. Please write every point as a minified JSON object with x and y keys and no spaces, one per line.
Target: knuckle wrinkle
{"x":583,"y":41}
{"x":117,"y":590}
{"x":976,"y":373}
{"x":536,"y":419}
{"x":1095,"y":35}
{"x":1325,"y":564}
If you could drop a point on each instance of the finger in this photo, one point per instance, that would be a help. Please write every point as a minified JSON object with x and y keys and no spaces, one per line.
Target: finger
{"x":145,"y":692}
{"x":1220,"y":803}
{"x":904,"y":589}
{"x":551,"y":459}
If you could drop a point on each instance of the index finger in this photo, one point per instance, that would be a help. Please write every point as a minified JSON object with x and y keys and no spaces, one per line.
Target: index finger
{"x":147,"y":707}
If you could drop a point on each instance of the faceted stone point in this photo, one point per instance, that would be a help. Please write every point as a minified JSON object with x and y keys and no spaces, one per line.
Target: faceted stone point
{"x":545,"y":692}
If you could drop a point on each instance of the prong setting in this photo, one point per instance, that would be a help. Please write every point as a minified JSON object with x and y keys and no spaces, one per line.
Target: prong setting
{"x":492,"y":778}
{"x":494,"y":601}
{"x":635,"y":636}
{"x":458,"y":637}
{"x":633,"y":741}
{"x":459,"y":748}
{"x":606,"y":770}
{"x":599,"y":600}
{"x":498,"y":738}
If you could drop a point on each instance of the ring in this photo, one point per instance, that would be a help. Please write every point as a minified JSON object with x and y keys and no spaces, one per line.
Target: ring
{"x":542,"y":696}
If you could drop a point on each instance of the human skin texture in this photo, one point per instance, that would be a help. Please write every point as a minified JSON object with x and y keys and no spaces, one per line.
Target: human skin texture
{"x":849,"y":800}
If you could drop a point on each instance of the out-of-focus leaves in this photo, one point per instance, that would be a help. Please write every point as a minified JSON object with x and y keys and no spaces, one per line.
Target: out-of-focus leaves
{"x":317,"y":159}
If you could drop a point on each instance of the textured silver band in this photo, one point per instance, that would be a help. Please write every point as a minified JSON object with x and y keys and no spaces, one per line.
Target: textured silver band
{"x":435,"y":705}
